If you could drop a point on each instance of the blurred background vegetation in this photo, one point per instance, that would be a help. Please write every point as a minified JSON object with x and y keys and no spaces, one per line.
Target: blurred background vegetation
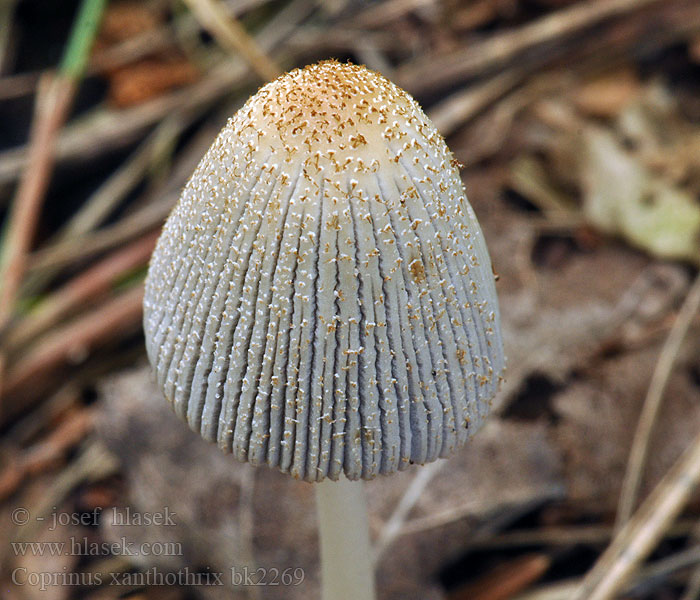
{"x":577,"y":123}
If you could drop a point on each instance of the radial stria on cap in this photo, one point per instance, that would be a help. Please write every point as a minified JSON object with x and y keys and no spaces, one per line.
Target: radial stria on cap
{"x":321,"y":298}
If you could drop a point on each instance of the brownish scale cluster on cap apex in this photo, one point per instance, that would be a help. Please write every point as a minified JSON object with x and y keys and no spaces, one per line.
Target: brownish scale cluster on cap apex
{"x":331,"y":105}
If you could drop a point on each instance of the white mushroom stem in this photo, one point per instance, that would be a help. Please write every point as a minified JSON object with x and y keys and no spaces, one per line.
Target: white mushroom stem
{"x":346,"y":557}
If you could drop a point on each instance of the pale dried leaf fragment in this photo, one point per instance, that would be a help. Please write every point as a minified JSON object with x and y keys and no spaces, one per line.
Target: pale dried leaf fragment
{"x":607,"y":95}
{"x":624,"y":198}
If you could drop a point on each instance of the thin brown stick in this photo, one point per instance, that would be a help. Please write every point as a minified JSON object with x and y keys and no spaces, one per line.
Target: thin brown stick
{"x":21,"y":84}
{"x":106,"y":198}
{"x":112,"y":319}
{"x":44,"y":454}
{"x":507,"y":579}
{"x":12,"y":474}
{"x":384,"y":12}
{"x":149,"y":216}
{"x":315,"y":40}
{"x":110,"y":193}
{"x":92,"y":283}
{"x":459,"y":108}
{"x":51,"y":110}
{"x":117,"y":128}
{"x":29,"y":426}
{"x":393,"y":525}
{"x":652,"y":403}
{"x":425,"y":74}
{"x":655,"y":572}
{"x":463,"y":511}
{"x":640,"y":535}
{"x":18,"y":465}
{"x":569,"y":535}
{"x":231,"y":34}
{"x":69,"y":432}
{"x":93,"y":463}
{"x":62,"y":254}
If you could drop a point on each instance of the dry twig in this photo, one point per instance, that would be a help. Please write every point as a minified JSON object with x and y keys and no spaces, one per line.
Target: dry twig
{"x":457,"y":109}
{"x":46,"y":452}
{"x":384,"y":12}
{"x":640,"y":535}
{"x":645,"y":579}
{"x":93,"y":463}
{"x":51,"y":109}
{"x":652,"y":403}
{"x":396,"y":521}
{"x":229,"y":32}
{"x":119,"y":316}
{"x":431,"y":72}
{"x":506,"y":580}
{"x":92,"y":283}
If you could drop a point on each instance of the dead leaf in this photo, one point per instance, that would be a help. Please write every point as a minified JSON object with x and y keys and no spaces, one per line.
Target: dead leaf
{"x":608,"y":95}
{"x":530,"y":178}
{"x":137,"y":83}
{"x":622,"y":197}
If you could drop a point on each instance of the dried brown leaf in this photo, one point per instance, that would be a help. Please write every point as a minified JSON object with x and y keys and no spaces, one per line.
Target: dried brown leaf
{"x":608,"y":95}
{"x":143,"y":81}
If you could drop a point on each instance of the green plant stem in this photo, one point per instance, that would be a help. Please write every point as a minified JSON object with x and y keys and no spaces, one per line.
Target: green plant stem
{"x":75,"y":56}
{"x":346,"y":557}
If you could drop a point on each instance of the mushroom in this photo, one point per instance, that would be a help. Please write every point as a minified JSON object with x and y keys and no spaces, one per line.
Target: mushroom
{"x":321,"y":299}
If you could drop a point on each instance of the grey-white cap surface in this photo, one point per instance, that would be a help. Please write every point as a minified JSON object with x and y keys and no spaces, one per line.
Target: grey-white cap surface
{"x":321,"y":299}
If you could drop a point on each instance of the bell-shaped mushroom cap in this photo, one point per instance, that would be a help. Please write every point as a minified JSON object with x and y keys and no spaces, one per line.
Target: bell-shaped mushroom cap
{"x":321,"y":298}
